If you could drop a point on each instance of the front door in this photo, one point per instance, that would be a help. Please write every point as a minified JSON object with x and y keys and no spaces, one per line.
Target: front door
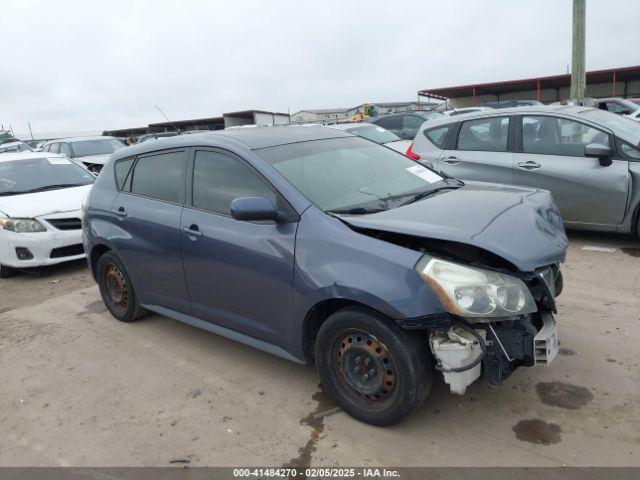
{"x":480,"y":152}
{"x":552,"y":157}
{"x":148,"y":211}
{"x":239,"y":274}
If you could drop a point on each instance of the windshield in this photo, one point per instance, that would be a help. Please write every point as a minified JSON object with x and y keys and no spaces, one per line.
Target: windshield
{"x":351,"y":173}
{"x":374,"y":133}
{"x":623,"y":127}
{"x":87,"y":148}
{"x":38,"y":174}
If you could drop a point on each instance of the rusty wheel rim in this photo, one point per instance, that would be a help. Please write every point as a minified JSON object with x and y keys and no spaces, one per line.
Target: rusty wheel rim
{"x":116,"y":287}
{"x":364,"y":365}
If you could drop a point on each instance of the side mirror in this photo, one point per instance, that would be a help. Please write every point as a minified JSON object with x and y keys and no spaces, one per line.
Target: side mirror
{"x":253,"y":209}
{"x":599,"y":151}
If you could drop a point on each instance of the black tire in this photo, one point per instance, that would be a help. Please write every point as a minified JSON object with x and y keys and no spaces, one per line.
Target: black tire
{"x":354,"y":337}
{"x":117,"y":290}
{"x":6,"y":272}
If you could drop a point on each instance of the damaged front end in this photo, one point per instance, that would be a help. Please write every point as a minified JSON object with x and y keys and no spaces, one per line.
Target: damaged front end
{"x":480,"y":338}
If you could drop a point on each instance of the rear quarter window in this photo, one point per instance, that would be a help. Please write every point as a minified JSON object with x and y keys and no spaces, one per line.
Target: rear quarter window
{"x":438,"y":136}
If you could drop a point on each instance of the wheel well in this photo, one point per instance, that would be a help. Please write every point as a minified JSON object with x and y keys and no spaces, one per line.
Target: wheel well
{"x":314,"y":319}
{"x":96,"y":253}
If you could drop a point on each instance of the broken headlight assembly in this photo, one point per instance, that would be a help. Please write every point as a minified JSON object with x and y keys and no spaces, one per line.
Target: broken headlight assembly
{"x":21,"y":225}
{"x":475,"y":292}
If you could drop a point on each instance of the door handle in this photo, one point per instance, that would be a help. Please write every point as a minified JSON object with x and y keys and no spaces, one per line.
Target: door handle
{"x":192,"y":231}
{"x":529,"y":165}
{"x":120,"y":212}
{"x":451,"y":160}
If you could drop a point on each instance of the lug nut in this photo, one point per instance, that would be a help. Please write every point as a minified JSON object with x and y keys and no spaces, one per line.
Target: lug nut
{"x":364,"y":377}
{"x":371,"y":372}
{"x":358,"y":359}
{"x":356,"y":370}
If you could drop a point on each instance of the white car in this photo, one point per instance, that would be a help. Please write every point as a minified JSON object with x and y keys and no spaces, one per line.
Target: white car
{"x":17,"y":146}
{"x":93,"y":152}
{"x":41,"y":195}
{"x":634,"y":116}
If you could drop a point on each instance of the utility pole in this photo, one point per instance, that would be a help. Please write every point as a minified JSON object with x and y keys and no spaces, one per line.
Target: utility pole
{"x":578,"y":78}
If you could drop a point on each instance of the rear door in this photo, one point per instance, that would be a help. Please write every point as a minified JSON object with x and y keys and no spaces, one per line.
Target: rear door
{"x":551,"y":156}
{"x":481,"y":150}
{"x":148,"y":210}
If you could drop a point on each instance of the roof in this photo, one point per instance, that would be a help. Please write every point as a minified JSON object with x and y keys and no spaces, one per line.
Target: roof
{"x":249,"y":138}
{"x":501,"y":112}
{"x":27,"y":155}
{"x":326,"y":110}
{"x":554,"y":81}
{"x":79,"y":139}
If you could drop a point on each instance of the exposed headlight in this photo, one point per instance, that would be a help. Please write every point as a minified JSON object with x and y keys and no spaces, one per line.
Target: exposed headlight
{"x":475,"y":292}
{"x":22,"y":225}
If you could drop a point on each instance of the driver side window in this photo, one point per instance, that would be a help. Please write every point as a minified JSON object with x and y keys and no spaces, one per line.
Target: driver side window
{"x":558,"y":136}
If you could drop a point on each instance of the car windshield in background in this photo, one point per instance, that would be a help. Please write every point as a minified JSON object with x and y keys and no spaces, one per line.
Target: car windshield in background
{"x":376,"y":134}
{"x":351,"y":175}
{"x":623,"y":127}
{"x":86,"y":148}
{"x":40,"y":174}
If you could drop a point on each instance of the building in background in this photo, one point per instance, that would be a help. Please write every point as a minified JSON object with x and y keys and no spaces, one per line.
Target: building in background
{"x":615,"y":82}
{"x":231,"y":119}
{"x":339,"y":115}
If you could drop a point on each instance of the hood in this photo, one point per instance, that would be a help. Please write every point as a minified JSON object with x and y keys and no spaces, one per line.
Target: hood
{"x":32,"y":205}
{"x":94,"y":159}
{"x":521,"y":225}
{"x":399,"y":145}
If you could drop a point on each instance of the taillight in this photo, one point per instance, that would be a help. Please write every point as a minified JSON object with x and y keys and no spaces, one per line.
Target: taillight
{"x":411,"y":154}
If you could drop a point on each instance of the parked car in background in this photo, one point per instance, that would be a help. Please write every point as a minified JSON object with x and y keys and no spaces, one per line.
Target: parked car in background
{"x":588,"y":158}
{"x":634,"y":116}
{"x":319,"y":246}
{"x":374,"y":133}
{"x":17,"y":146}
{"x":621,"y":106}
{"x":40,"y":199}
{"x":405,"y":124}
{"x":154,"y":136}
{"x":461,"y":111}
{"x":512,"y":103}
{"x":93,"y":152}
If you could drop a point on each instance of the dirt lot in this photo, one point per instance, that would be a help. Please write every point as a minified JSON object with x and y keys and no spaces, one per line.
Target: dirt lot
{"x":79,"y":388}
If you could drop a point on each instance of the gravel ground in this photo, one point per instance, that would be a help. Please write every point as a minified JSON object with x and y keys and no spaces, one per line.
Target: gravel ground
{"x":79,"y":388}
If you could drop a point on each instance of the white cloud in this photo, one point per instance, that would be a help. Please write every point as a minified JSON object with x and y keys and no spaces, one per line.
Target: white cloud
{"x":82,"y":66}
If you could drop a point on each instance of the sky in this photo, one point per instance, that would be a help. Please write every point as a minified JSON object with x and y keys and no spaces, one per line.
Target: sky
{"x":87,"y":66}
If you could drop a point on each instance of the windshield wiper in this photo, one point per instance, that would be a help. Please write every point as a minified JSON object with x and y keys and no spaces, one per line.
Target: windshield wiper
{"x":54,"y":187}
{"x":355,"y":211}
{"x":425,"y":194}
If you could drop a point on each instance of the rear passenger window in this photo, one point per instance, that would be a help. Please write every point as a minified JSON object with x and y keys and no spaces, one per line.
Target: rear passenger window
{"x":218,"y":179}
{"x":160,"y":176}
{"x":54,"y":147}
{"x":485,"y":135}
{"x":437,"y":136}
{"x":122,"y":168}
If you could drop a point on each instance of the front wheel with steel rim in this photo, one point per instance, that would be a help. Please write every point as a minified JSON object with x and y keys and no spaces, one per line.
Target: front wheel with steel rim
{"x":374,"y":371}
{"x":116,"y":289}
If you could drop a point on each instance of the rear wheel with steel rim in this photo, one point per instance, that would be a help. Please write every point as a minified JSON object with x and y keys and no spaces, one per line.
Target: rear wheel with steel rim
{"x":374,"y":371}
{"x":116,"y":289}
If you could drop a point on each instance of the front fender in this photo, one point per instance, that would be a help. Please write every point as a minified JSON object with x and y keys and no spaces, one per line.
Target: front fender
{"x":335,"y":262}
